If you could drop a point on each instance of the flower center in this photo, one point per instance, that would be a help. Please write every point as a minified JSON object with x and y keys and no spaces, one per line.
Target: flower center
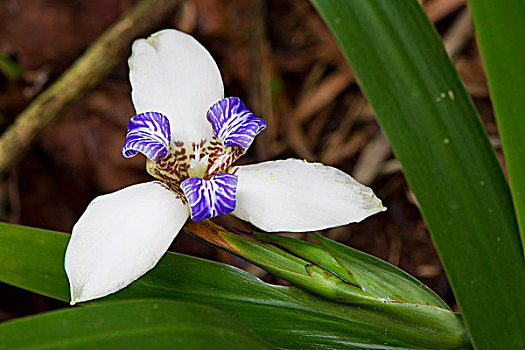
{"x":198,"y":164}
{"x":204,"y":160}
{"x":198,"y":170}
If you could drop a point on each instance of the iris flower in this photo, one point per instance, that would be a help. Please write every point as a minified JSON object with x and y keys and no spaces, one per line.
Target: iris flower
{"x":191,"y":135}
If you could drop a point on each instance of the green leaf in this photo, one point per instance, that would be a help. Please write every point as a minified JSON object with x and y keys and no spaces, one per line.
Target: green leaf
{"x":310,"y":252}
{"x":435,"y":133}
{"x":300,"y":272}
{"x":9,"y":68}
{"x":379,"y":278}
{"x":500,"y":30}
{"x":136,"y":324}
{"x":381,"y":286}
{"x":287,"y":317}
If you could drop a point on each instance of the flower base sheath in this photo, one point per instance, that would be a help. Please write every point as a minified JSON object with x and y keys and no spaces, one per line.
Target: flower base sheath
{"x":191,"y":135}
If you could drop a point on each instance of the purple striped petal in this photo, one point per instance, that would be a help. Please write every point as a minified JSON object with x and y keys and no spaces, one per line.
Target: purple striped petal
{"x":148,"y":133}
{"x":210,"y":198}
{"x":233,"y":123}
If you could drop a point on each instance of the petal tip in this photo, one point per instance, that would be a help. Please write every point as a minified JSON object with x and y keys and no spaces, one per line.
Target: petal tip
{"x":377,"y":204}
{"x":74,"y":299}
{"x":76,"y":295}
{"x":77,"y":292}
{"x":371,"y":204}
{"x":80,"y":294}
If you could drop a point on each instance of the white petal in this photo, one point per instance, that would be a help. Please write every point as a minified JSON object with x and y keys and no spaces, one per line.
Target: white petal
{"x":120,"y":237}
{"x":171,"y":73}
{"x":296,"y":196}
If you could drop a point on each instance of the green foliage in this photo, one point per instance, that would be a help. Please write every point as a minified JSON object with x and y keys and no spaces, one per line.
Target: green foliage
{"x":500,"y":30}
{"x":9,"y":68}
{"x":411,"y":311}
{"x":375,"y":278}
{"x":135,"y":324}
{"x":287,"y":317}
{"x":435,"y":133}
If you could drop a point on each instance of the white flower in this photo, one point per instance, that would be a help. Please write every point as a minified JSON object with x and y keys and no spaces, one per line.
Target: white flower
{"x":191,"y":136}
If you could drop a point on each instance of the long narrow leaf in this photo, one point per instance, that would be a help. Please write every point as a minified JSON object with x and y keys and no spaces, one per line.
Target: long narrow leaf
{"x":447,"y":159}
{"x":500,"y":30}
{"x":288,"y":317}
{"x":136,"y":324}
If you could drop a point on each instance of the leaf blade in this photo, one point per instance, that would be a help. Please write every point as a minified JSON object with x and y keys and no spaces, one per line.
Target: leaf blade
{"x":435,"y":133}
{"x":151,"y":324}
{"x":304,"y":320}
{"x":386,"y":280}
{"x":499,"y":31}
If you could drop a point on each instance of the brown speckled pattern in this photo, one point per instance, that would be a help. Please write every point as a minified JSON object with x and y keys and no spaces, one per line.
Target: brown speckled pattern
{"x":174,"y":168}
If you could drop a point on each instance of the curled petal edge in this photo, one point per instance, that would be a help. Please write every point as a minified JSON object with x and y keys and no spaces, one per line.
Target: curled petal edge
{"x":149,"y":134}
{"x":233,"y":124}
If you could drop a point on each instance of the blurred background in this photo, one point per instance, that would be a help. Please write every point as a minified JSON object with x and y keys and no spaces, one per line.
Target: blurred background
{"x":278,"y":57}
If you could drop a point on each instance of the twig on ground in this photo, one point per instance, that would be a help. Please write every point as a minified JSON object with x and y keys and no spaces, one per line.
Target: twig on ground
{"x":261,"y":72}
{"x":332,"y":149}
{"x":459,"y":33}
{"x":87,"y":71}
{"x":324,"y":94}
{"x":371,"y":160}
{"x":439,"y":9}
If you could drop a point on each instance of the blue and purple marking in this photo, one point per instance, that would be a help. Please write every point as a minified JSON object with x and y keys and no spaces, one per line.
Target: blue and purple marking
{"x":233,"y":124}
{"x":234,"y":127}
{"x":210,"y":198}
{"x":149,"y":134}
